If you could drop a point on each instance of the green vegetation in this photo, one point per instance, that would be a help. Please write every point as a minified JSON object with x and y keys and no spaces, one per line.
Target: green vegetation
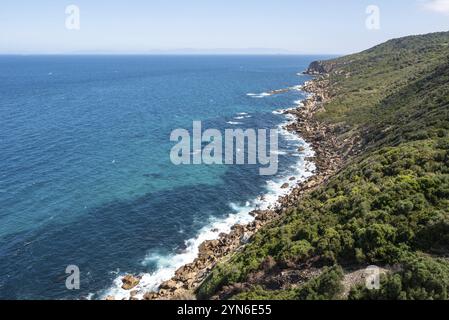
{"x":420,"y":278}
{"x":390,"y":204}
{"x":327,"y":286}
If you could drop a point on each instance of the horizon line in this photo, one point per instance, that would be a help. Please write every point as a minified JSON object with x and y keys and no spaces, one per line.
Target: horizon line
{"x":174,"y":51}
{"x":167,"y":53}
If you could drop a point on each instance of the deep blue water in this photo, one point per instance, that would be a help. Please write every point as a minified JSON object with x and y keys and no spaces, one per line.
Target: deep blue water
{"x":85,"y":173}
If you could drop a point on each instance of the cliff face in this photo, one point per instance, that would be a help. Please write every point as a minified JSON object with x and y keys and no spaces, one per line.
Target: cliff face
{"x":386,"y":113}
{"x":315,"y":68}
{"x":320,"y":67}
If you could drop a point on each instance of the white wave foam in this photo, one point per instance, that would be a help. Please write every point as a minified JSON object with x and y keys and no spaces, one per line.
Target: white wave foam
{"x":299,"y":103}
{"x":233,"y":123}
{"x":168,"y":264}
{"x":275,"y":188}
{"x":242,"y":115}
{"x":279,"y":152}
{"x":259,"y":95}
{"x":297,"y":88}
{"x":285,"y":112}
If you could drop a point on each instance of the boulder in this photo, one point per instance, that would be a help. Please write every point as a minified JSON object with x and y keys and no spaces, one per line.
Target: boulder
{"x":207,"y":248}
{"x":130,"y":282}
{"x":183,"y":294}
{"x":150,"y":296}
{"x":169,"y":285}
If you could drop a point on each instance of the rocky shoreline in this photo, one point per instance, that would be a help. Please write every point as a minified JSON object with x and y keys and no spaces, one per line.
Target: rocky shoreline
{"x":329,"y":155}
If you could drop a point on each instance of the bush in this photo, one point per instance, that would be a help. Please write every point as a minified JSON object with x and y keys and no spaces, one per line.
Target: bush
{"x":327,"y":286}
{"x":421,"y":278}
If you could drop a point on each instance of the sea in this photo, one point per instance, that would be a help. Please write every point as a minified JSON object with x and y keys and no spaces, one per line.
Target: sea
{"x":86,"y":178}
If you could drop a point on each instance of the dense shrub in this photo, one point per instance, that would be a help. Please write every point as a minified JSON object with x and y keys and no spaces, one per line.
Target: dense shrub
{"x":391,"y":200}
{"x":327,"y":286}
{"x":421,"y":278}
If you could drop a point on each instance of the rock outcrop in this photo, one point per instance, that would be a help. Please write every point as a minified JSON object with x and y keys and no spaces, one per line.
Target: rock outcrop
{"x":130,"y":282}
{"x":319,"y":68}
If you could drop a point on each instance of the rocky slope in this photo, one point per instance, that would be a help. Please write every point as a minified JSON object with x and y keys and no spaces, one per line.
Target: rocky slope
{"x":380,"y":123}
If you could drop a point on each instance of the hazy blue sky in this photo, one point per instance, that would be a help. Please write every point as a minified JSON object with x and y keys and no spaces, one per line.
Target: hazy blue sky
{"x":133,"y":26}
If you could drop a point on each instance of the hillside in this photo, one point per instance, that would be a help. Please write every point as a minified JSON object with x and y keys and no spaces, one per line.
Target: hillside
{"x":387,"y":108}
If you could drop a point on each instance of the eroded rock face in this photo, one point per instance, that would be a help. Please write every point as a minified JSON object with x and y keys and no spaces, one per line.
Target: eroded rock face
{"x":171,"y":285}
{"x":315,"y":68}
{"x":207,"y":248}
{"x":130,"y":282}
{"x":320,"y":67}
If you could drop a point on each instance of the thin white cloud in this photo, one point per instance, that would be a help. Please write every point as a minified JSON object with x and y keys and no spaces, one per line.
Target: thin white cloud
{"x":439,"y":6}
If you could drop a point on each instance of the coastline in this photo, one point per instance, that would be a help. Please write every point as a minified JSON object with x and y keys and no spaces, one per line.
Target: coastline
{"x":322,"y":150}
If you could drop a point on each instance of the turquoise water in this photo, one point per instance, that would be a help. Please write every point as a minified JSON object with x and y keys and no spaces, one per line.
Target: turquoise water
{"x":85,"y":174}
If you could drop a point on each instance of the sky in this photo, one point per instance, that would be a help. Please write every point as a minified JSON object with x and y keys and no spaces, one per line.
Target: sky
{"x":212,"y":26}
